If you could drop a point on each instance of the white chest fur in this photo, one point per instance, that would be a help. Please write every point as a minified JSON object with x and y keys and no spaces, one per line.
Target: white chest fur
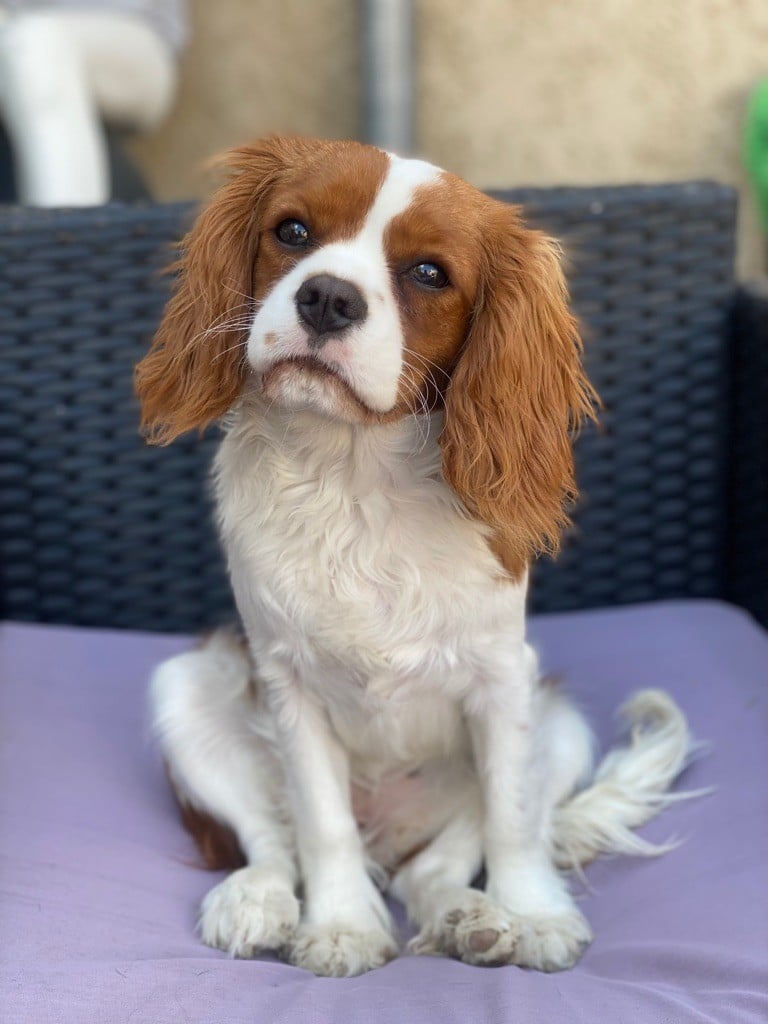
{"x":352,"y":561}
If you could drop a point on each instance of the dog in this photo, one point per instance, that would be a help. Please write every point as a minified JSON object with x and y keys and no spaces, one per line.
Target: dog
{"x":399,"y":375}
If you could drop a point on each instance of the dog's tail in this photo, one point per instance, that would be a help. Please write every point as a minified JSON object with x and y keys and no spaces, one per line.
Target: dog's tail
{"x":629,"y":787}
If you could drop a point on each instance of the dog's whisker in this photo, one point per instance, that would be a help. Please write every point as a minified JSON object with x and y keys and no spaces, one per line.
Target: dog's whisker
{"x":236,"y":291}
{"x":232,"y":348}
{"x":413,"y":394}
{"x":429,"y":363}
{"x":228,"y":325}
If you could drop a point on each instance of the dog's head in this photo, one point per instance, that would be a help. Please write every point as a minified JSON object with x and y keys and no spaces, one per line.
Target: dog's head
{"x":341,"y":279}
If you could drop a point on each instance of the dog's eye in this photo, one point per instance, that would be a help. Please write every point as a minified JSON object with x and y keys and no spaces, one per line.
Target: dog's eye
{"x":293,"y":232}
{"x":429,"y":275}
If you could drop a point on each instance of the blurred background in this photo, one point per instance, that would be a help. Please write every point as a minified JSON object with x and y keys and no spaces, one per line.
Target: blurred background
{"x":504,"y":92}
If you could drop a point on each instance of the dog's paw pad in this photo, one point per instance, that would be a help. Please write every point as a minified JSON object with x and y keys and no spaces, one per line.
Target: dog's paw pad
{"x":481,"y":941}
{"x":475,"y":930}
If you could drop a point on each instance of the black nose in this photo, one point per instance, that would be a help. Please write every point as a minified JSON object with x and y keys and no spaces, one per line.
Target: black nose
{"x":328,"y":305}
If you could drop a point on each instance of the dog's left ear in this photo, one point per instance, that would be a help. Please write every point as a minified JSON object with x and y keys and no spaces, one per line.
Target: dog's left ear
{"x":516,"y":396}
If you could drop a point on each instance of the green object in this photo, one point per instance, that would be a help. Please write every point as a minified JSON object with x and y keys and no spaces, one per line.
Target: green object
{"x":756,"y":146}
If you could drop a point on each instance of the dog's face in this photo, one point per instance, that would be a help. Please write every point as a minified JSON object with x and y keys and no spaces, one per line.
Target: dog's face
{"x":337,"y":278}
{"x":364,"y":283}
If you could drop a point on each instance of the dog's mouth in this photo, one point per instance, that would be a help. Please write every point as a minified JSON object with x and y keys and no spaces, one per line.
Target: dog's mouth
{"x":305,"y":381}
{"x":309,"y":364}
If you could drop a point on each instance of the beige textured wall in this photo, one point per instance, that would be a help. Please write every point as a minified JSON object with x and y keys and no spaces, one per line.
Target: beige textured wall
{"x":252,"y":67}
{"x":510,"y":91}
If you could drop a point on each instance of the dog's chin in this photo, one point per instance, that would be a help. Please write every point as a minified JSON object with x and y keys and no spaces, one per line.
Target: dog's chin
{"x":304,"y":385}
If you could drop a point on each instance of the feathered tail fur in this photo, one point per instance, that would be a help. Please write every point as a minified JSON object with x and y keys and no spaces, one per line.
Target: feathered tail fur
{"x":629,"y":787}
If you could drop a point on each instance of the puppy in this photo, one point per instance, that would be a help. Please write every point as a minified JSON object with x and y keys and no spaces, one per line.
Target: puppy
{"x":399,"y":375}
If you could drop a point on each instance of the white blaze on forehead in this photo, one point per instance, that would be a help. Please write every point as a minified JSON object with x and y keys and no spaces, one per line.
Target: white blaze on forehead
{"x":369,"y":355}
{"x":402,"y":180}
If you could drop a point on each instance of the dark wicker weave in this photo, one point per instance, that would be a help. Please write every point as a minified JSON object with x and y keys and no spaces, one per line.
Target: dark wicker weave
{"x":97,"y":529}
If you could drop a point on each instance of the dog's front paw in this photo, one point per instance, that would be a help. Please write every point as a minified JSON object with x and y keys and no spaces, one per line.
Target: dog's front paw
{"x":339,"y":951}
{"x":248,"y":912}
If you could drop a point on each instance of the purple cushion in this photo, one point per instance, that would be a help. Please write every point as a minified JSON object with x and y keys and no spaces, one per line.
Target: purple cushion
{"x":99,"y":883}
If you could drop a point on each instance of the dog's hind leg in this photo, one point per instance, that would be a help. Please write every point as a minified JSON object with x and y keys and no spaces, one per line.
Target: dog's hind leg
{"x":435,"y":885}
{"x":229,"y":782}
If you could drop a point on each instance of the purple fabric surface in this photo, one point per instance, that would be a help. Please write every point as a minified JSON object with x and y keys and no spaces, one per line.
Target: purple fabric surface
{"x":99,"y":890}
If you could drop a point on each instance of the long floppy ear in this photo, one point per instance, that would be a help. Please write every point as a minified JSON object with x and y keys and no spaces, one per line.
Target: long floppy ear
{"x":516,"y":396}
{"x":195,"y":368}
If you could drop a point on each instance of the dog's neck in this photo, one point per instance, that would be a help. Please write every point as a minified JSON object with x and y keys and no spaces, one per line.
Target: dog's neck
{"x":363,"y":458}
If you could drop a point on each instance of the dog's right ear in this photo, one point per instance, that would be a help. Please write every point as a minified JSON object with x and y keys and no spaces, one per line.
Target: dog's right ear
{"x":195,"y":368}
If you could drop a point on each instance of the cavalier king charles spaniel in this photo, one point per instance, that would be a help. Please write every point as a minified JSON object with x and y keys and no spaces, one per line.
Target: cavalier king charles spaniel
{"x":399,"y":377}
